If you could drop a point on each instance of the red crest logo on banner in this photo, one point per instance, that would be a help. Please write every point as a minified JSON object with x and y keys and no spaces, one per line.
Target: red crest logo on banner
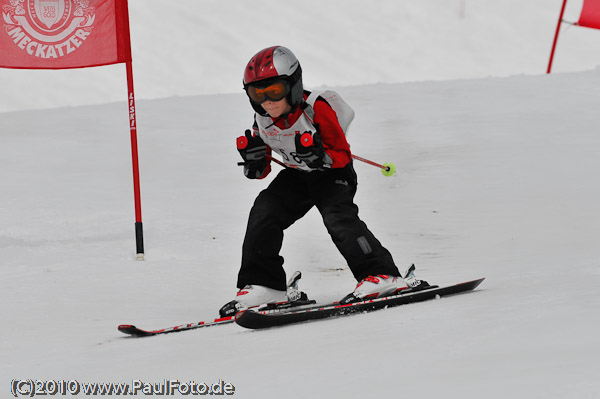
{"x":56,"y":34}
{"x":49,"y":12}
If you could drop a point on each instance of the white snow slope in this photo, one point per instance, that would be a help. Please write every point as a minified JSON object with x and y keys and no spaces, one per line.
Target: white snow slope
{"x":497,"y":178}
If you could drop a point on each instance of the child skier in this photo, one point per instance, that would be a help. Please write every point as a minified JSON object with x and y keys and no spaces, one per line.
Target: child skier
{"x":318,"y":172}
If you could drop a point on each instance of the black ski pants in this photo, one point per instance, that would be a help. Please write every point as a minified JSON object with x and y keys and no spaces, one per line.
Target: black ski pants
{"x":288,"y":198}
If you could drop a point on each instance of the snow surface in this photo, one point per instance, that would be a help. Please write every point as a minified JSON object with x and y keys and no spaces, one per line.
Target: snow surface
{"x":497,"y":178}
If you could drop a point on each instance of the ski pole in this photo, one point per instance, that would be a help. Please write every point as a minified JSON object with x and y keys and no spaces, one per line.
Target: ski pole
{"x":387,"y":169}
{"x":270,"y":158}
{"x":277,"y":161}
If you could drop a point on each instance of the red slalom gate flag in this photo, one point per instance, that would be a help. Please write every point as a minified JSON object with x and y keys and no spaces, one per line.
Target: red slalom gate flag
{"x":60,"y":34}
{"x":589,"y":18}
{"x":590,"y":14}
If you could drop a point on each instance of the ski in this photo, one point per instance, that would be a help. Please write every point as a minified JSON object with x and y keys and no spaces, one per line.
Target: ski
{"x":296,"y":297}
{"x":138,"y":332}
{"x":258,"y":319}
{"x":134,"y":331}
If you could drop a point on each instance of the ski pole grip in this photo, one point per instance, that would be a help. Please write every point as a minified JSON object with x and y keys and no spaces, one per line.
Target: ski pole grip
{"x":241,"y":142}
{"x":306,"y":139}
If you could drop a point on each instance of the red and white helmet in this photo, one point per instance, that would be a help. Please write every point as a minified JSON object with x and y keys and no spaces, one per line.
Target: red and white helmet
{"x":271,"y":64}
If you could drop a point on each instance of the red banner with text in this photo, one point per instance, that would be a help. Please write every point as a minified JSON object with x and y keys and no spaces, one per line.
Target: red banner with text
{"x":60,"y":34}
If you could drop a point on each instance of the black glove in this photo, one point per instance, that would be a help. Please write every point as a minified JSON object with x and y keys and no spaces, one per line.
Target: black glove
{"x":309,"y":148}
{"x":254,"y":152}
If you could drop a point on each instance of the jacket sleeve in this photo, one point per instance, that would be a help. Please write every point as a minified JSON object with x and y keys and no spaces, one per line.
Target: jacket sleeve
{"x":334,"y":139}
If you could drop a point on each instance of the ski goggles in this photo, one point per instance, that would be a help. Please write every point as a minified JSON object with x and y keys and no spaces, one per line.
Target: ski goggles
{"x":274,"y":92}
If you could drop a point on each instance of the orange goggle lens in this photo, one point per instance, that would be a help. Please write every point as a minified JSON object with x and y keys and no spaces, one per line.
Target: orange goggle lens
{"x":274,"y":92}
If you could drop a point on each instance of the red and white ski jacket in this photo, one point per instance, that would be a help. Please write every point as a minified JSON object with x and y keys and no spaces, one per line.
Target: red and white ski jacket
{"x":279,"y":135}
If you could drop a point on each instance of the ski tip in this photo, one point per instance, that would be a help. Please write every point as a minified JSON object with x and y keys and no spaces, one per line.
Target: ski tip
{"x":475,"y":283}
{"x":126,"y":328}
{"x":132,"y":330}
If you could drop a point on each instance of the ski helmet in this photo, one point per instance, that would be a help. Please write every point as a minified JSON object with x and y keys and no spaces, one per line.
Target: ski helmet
{"x":271,"y":64}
